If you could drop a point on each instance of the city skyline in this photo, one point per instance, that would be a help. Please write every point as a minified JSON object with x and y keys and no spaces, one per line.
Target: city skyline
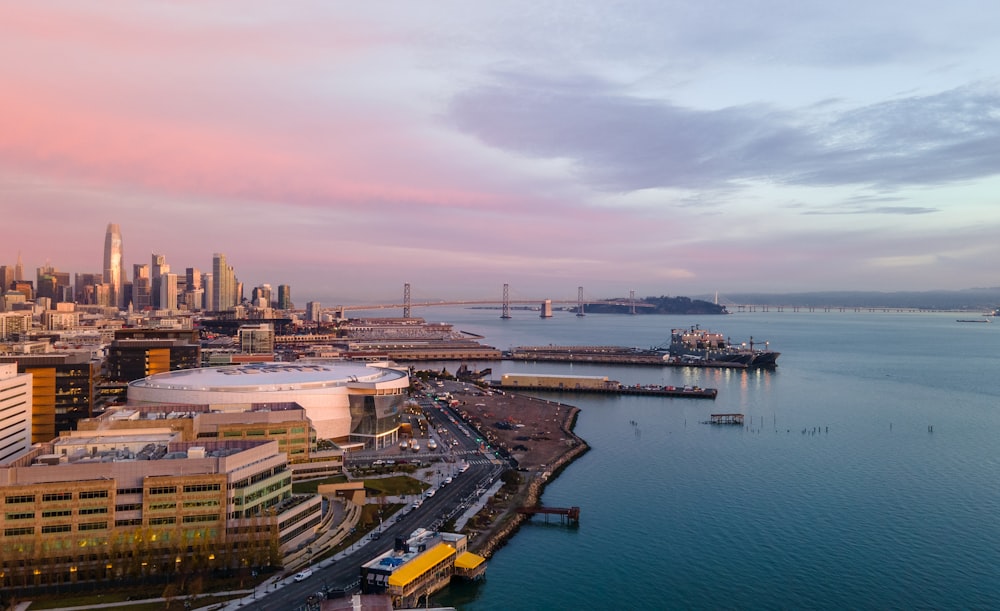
{"x":661,"y":147}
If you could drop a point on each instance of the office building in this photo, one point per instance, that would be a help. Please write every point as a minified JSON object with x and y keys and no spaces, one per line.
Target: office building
{"x":15,"y":412}
{"x":158,"y":267}
{"x":130,"y":505}
{"x":256,"y":339}
{"x":284,"y":297}
{"x":208,"y":297}
{"x":313,"y":313}
{"x":114,"y":263}
{"x":168,"y":292}
{"x":62,"y":390}
{"x":224,"y":284}
{"x":141,"y":287}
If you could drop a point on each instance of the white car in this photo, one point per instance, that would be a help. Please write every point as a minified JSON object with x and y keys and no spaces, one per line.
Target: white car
{"x":303,"y":574}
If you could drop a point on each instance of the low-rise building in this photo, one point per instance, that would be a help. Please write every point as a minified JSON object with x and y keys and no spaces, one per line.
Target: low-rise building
{"x":419,"y":566}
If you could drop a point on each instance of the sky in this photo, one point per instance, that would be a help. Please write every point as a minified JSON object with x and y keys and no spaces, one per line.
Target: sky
{"x":666,"y":147}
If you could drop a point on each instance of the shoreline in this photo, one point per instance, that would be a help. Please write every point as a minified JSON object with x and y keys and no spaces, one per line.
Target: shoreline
{"x":510,"y":521}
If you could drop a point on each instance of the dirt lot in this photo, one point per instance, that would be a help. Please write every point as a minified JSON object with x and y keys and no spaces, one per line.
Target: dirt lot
{"x":530,"y":429}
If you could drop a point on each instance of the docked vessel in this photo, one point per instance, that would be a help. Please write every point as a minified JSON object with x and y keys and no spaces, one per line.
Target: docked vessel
{"x":696,"y":344}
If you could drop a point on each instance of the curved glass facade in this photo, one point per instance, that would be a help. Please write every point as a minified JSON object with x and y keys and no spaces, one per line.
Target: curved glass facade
{"x":375,"y":418}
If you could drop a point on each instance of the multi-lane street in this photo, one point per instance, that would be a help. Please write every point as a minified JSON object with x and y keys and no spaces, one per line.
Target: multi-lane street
{"x":448,"y":501}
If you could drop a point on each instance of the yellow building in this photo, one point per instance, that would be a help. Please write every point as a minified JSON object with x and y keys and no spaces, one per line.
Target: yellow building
{"x":419,"y":566}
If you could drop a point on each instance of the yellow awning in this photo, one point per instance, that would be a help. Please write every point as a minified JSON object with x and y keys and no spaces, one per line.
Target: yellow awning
{"x":420,"y":565}
{"x":468,"y":560}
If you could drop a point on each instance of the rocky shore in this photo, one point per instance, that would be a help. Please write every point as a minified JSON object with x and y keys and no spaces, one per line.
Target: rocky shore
{"x":524,"y":427}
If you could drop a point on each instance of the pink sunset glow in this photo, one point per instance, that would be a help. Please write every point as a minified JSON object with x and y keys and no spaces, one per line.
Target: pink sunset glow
{"x":345,"y":150}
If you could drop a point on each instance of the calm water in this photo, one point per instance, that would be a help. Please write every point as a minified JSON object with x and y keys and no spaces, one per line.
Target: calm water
{"x":837,"y":496}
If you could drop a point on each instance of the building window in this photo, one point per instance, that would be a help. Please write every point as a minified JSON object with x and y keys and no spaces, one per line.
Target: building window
{"x":93,"y":510}
{"x":57,"y":528}
{"x":17,"y":532}
{"x":202,"y":488}
{"x":57,"y":496}
{"x":94,"y":494}
{"x":57,"y":514}
{"x":93,"y":526}
{"x":21,"y":516}
{"x":161,"y":521}
{"x":163,"y":490}
{"x":21,"y":498}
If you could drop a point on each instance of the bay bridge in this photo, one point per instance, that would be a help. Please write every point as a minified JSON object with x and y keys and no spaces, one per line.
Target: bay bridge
{"x":544,"y":305}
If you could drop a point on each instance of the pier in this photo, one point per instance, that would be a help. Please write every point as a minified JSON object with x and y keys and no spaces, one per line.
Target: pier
{"x":613,"y":355}
{"x":569,"y":515}
{"x":726,"y":419}
{"x":693,"y":392}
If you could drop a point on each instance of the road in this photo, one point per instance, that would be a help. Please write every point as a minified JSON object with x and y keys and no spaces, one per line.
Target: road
{"x":448,"y":501}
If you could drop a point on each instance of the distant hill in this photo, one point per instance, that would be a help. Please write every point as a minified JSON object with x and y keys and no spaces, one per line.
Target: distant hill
{"x":974,"y":299}
{"x":661,"y":305}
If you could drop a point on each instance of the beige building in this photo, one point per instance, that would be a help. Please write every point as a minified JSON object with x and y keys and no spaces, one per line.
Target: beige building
{"x":102,"y":505}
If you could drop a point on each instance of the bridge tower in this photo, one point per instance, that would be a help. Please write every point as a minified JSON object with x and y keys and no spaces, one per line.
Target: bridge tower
{"x":547,"y":308}
{"x":631,"y":301}
{"x":506,"y":301}
{"x":406,"y":300}
{"x":579,"y":301}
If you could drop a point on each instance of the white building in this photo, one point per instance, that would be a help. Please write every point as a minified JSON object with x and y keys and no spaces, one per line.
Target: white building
{"x":15,"y":412}
{"x":346,"y":401}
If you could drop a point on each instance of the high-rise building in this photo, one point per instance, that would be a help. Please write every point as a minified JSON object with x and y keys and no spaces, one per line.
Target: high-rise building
{"x":284,"y":297}
{"x":313,"y":311}
{"x":15,"y":412}
{"x":141,"y":287}
{"x":224,"y":284}
{"x":114,"y":263}
{"x":208,"y":297}
{"x":19,"y":268}
{"x":6,"y":277}
{"x":261,"y":296}
{"x":168,"y":292}
{"x":158,"y":268}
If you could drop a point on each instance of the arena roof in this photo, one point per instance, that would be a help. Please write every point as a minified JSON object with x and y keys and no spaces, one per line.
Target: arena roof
{"x":259,"y":377}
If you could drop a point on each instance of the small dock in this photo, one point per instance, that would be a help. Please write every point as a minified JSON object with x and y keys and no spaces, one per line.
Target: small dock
{"x":570,"y":515}
{"x":725,"y":419}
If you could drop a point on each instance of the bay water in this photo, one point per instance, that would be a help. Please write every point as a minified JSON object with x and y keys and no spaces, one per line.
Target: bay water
{"x":867,"y":475}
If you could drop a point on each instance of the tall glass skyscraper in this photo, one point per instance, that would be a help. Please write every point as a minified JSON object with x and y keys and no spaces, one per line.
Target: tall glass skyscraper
{"x":114,"y":264}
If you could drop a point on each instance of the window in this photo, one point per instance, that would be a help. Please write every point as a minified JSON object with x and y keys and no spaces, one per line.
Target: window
{"x":206,"y":518}
{"x":16,"y":532}
{"x":128,"y":507}
{"x":162,"y":506}
{"x":93,"y":510}
{"x":57,"y":528}
{"x":21,"y":498}
{"x":94,"y":494}
{"x":57,"y":514}
{"x":202,"y":488}
{"x":93,"y":526}
{"x":163,"y":490}
{"x":21,"y":516}
{"x":57,"y":496}
{"x":161,"y":521}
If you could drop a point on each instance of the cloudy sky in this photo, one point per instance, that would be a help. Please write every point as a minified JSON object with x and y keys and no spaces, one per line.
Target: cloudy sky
{"x":670,"y":147}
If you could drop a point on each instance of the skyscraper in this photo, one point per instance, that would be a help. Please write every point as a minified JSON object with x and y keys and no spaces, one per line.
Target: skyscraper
{"x":114,"y":263}
{"x":158,"y":267}
{"x":224,"y":285}
{"x":284,"y":297}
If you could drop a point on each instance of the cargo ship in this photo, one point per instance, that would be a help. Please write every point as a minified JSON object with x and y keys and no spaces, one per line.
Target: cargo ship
{"x":696,"y":344}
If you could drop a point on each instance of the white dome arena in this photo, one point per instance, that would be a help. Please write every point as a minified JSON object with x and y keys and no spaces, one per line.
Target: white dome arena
{"x":345,"y":400}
